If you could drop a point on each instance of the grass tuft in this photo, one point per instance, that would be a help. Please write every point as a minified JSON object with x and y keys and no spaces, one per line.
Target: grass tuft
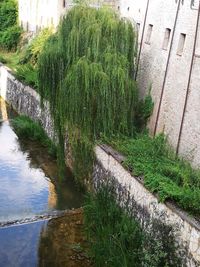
{"x":28,"y":129}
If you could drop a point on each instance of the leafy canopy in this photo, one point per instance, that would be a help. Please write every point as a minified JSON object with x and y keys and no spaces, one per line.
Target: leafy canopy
{"x":86,"y":72}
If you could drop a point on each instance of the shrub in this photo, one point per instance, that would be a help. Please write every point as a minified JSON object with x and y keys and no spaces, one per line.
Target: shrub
{"x":36,"y":46}
{"x":8,"y":14}
{"x":10,"y":32}
{"x":9,"y":39}
{"x":27,"y":74}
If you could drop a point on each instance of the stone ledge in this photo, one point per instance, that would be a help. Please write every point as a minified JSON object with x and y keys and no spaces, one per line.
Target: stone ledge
{"x":170,"y":204}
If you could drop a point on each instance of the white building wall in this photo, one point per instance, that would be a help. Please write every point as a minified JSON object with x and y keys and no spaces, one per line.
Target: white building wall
{"x":37,"y":14}
{"x":190,"y":141}
{"x":153,"y":65}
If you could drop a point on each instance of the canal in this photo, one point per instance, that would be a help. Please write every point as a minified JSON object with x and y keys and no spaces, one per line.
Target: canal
{"x":30,"y":196}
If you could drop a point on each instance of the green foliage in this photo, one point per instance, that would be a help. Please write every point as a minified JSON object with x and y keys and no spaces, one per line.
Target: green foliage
{"x":34,"y":49}
{"x":10,"y":33}
{"x":9,"y":38}
{"x":164,"y":173}
{"x":116,"y":238}
{"x":27,"y":74}
{"x":3,"y":60}
{"x":86,"y":72}
{"x":28,"y":129}
{"x":144,"y":111}
{"x":8,"y":14}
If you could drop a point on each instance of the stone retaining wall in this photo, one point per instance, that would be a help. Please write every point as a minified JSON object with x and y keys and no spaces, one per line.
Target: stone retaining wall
{"x":26,"y":101}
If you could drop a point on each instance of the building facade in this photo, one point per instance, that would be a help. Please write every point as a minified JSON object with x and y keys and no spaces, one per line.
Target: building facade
{"x":169,"y":63}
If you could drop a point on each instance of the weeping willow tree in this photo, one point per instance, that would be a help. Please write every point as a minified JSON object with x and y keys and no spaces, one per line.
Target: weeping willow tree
{"x":86,"y":73}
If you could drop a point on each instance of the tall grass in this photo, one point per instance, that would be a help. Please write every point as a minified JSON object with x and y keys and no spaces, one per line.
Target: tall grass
{"x":28,"y":129}
{"x":117,"y":239}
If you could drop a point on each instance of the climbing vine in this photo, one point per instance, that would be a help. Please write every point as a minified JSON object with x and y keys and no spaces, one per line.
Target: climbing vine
{"x":86,"y":72}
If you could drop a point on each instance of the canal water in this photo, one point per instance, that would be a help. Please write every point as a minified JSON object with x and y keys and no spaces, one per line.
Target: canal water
{"x":29,"y":188}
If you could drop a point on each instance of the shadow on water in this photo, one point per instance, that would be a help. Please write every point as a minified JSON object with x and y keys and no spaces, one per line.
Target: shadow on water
{"x":29,"y":186}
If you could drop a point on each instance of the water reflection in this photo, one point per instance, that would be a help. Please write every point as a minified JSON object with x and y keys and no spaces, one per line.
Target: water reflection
{"x":62,"y":242}
{"x":57,"y":243}
{"x":19,"y":245}
{"x":29,"y":177}
{"x":3,"y":111}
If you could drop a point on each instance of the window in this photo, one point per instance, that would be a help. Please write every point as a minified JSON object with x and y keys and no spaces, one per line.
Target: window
{"x":64,"y":4}
{"x":194,"y":4}
{"x":181,"y":44}
{"x":166,"y":38}
{"x":149,"y":33}
{"x":138,"y":27}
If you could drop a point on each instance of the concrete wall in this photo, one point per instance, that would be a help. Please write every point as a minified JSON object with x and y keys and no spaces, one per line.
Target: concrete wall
{"x":187,"y":231}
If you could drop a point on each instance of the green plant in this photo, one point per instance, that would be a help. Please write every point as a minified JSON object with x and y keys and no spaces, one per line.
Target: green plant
{"x":117,"y":239}
{"x":28,"y":129}
{"x":93,"y":92}
{"x":10,"y":31}
{"x":165,"y":174}
{"x":27,"y":74}
{"x":9,"y":38}
{"x":8,"y":14}
{"x":144,"y":111}
{"x":34,"y":49}
{"x":3,"y":60}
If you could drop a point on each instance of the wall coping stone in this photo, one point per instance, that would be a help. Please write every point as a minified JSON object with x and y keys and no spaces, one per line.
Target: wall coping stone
{"x":170,"y":204}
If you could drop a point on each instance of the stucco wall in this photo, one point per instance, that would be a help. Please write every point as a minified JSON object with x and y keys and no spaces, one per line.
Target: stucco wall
{"x":187,"y":231}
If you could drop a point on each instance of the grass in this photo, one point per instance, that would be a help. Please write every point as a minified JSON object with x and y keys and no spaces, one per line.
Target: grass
{"x":165,"y":174}
{"x":116,"y":239}
{"x":28,"y":129}
{"x":26,"y":73}
{"x":11,"y":59}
